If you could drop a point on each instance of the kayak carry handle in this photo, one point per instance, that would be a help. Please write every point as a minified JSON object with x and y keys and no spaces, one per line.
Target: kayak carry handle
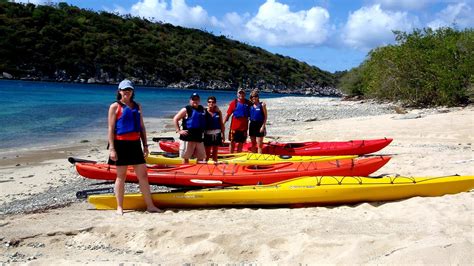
{"x":158,"y":139}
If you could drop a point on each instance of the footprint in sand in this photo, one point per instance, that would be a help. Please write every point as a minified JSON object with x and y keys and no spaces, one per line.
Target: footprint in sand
{"x":195,"y":238}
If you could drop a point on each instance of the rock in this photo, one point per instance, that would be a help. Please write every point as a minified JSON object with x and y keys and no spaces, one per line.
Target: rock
{"x":400,"y":110}
{"x":7,"y":75}
{"x":12,"y":243}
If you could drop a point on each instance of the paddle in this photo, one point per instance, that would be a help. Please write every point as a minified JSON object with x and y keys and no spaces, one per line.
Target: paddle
{"x":74,"y":160}
{"x":158,"y":139}
{"x":165,"y":154}
{"x":85,"y":193}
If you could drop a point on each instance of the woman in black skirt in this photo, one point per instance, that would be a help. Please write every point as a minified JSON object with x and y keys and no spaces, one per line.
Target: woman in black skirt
{"x":126,"y":129}
{"x":258,"y":119}
{"x":214,"y":134}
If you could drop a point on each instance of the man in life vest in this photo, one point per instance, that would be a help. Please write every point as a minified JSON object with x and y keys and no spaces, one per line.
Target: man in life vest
{"x":191,"y":134}
{"x":239,"y":109}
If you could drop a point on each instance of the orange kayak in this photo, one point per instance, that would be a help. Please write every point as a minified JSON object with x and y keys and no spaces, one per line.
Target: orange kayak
{"x":206,"y":175}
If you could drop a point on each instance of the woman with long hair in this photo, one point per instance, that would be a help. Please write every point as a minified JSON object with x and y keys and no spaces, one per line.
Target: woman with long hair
{"x":126,"y":134}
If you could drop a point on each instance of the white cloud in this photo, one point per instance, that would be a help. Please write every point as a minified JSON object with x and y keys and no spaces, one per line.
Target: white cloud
{"x":459,"y":14}
{"x":371,"y":26}
{"x":178,"y":13}
{"x":276,"y":25}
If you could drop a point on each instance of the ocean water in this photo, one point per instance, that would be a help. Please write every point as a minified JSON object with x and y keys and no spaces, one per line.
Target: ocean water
{"x":39,"y":114}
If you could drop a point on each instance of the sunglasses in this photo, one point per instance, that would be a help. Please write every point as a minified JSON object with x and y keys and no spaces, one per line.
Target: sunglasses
{"x":211,"y":101}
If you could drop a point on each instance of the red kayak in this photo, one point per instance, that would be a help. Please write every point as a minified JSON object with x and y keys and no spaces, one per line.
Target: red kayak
{"x":310,"y":148}
{"x":209,"y":175}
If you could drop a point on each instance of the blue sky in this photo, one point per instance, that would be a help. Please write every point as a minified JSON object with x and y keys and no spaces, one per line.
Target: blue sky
{"x":330,"y":34}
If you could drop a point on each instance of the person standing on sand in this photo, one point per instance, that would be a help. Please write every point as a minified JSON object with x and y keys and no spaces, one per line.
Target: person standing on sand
{"x":215,"y":129}
{"x":192,"y":134}
{"x":258,"y":119}
{"x":239,"y":109}
{"x":125,"y":130}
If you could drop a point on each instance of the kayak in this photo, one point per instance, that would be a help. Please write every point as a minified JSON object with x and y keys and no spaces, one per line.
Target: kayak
{"x":207,"y":175}
{"x":299,"y":192}
{"x":310,"y":148}
{"x":244,"y":158}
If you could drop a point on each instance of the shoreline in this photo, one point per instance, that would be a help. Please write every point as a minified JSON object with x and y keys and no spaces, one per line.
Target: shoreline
{"x":43,"y":222}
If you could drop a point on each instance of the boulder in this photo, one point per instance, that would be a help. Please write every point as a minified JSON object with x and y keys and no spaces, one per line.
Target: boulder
{"x":7,"y":75}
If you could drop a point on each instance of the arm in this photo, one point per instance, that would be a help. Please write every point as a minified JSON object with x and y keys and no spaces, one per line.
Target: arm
{"x":143,"y":134}
{"x":222,"y":126}
{"x":230,"y":110}
{"x":265,"y":114}
{"x":111,"y":130}
{"x":226,"y":118}
{"x":180,"y":115}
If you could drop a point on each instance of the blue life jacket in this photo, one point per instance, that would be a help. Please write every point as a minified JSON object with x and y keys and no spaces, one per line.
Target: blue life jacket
{"x":196,"y":118}
{"x":213,"y":121}
{"x":241,"y":109}
{"x":256,"y":113}
{"x":129,"y":120}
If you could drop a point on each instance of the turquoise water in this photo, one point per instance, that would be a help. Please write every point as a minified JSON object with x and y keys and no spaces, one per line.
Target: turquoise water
{"x":43,"y":113}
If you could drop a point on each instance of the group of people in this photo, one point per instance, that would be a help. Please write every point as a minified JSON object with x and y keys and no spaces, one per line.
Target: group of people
{"x":201,"y":132}
{"x":202,"y":129}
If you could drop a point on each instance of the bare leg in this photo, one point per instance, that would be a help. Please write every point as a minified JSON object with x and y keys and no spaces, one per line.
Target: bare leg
{"x":260,"y":144}
{"x":208,"y":152}
{"x":214,"y":153}
{"x":254,"y":144}
{"x":140,"y":170}
{"x":232,"y":146}
{"x":240,"y":146}
{"x":120,"y":187}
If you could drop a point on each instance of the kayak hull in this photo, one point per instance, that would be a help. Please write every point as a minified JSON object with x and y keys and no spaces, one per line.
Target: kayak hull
{"x":246,"y":159}
{"x":205,"y":175}
{"x":304,"y":191}
{"x":310,"y":148}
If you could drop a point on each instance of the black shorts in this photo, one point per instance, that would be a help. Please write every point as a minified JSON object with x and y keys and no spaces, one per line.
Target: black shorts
{"x":129,"y":152}
{"x":238,"y":136}
{"x":213,"y":139}
{"x":254,"y":129}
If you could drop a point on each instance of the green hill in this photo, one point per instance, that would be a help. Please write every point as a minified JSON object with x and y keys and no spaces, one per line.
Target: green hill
{"x":66,"y":43}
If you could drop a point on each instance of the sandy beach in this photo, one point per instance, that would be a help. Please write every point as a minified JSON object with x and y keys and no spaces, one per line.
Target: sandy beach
{"x":428,"y":142}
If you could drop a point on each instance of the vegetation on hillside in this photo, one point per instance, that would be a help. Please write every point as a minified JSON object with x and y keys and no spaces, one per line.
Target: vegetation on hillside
{"x":64,"y":42}
{"x":426,"y":68}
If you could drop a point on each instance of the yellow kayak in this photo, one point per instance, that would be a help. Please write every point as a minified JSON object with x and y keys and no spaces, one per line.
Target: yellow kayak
{"x":245,"y":159}
{"x":303,"y":191}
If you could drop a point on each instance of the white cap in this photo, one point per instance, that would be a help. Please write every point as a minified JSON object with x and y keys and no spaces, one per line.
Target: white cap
{"x":125,"y":84}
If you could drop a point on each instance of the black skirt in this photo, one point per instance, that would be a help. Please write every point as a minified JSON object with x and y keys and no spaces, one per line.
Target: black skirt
{"x":254,"y":129}
{"x":129,"y":152}
{"x":212,"y":139}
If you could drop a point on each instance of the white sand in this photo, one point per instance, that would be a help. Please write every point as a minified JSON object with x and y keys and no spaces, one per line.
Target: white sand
{"x":435,"y":230}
